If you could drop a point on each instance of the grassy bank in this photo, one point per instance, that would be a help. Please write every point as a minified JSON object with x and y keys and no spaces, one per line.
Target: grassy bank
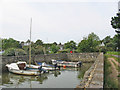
{"x":113,"y":53}
{"x":83,"y":69}
{"x":109,"y":82}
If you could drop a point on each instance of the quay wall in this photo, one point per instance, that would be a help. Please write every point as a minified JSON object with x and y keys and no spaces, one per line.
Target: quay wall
{"x":94,"y":76}
{"x":84,"y":57}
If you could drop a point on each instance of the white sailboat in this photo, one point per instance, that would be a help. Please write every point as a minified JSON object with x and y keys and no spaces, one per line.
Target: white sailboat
{"x":21,"y":67}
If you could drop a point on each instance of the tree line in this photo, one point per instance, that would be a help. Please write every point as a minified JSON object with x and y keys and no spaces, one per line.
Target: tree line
{"x":91,"y":43}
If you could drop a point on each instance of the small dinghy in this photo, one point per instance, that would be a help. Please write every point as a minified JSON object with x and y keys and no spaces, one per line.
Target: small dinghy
{"x":21,"y":69}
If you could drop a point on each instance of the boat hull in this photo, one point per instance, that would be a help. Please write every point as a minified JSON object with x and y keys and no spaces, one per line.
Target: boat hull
{"x":25,"y":72}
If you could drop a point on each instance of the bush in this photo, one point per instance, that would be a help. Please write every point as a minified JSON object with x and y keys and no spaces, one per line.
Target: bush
{"x":13,"y":52}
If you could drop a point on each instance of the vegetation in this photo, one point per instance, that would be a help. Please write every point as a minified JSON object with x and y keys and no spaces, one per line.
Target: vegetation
{"x":13,"y":52}
{"x":54,"y":48}
{"x":70,"y":45}
{"x":113,"y":53}
{"x":108,"y":81}
{"x":115,"y":22}
{"x":83,"y":69}
{"x":91,"y":43}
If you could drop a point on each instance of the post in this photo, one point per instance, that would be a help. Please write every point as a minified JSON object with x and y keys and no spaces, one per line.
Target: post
{"x":30,"y":44}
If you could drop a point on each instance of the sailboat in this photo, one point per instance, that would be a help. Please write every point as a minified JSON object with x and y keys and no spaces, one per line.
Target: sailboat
{"x":21,"y":67}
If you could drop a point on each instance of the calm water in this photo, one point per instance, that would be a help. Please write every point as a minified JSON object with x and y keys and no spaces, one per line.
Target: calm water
{"x":66,"y":78}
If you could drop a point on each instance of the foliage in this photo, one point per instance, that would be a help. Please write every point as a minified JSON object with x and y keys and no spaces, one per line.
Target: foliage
{"x":83,"y":46}
{"x":14,"y":52}
{"x":116,"y":41}
{"x":101,"y":49}
{"x":54,"y":48}
{"x":9,"y":43}
{"x":115,"y":22}
{"x":64,"y":51}
{"x":108,"y":81}
{"x":111,"y":44}
{"x":89,"y":44}
{"x":0,"y":44}
{"x":83,"y":69}
{"x":113,"y":53}
{"x":106,"y":40}
{"x":55,"y":43}
{"x":39,"y":42}
{"x":39,"y":50}
{"x":71,"y":45}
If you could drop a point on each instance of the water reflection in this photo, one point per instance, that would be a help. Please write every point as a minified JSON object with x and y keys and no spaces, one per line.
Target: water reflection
{"x":65,"y":78}
{"x":9,"y":78}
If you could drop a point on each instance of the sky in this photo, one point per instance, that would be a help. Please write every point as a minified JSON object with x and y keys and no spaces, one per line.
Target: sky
{"x":56,"y":20}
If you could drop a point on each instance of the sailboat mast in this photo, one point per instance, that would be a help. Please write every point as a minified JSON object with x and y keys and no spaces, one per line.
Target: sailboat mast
{"x":30,"y":44}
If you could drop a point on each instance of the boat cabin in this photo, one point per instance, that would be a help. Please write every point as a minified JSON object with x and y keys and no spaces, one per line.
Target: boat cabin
{"x":21,"y":65}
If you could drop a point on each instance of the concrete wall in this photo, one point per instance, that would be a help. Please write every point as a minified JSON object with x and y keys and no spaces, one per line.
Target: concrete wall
{"x":84,"y":57}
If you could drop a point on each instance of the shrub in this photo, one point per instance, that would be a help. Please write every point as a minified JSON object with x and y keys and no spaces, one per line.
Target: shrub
{"x":14,"y":51}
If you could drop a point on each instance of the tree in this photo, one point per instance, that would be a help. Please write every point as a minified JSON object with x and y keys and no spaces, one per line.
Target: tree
{"x":107,"y":40}
{"x":70,"y":45}
{"x":84,"y":46}
{"x":54,"y":48}
{"x":0,"y":44}
{"x":89,"y":44}
{"x":93,"y":41}
{"x":10,"y":43}
{"x":55,"y":43}
{"x":39,"y":50}
{"x":21,"y":44}
{"x":115,"y":22}
{"x":116,"y":41}
{"x":14,"y":52}
{"x":39,"y":42}
{"x":28,"y":41}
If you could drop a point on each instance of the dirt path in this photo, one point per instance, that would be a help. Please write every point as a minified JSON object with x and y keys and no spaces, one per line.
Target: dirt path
{"x":114,"y":70}
{"x":116,"y":62}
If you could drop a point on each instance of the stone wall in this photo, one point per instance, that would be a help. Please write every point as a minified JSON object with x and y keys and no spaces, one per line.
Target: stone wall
{"x":84,"y":57}
{"x":93,"y":77}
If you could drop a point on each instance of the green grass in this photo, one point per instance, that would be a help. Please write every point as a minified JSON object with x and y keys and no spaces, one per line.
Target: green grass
{"x":115,"y":65}
{"x":118,"y":75}
{"x":108,"y":81}
{"x":83,"y":69}
{"x":113,"y":53}
{"x":110,"y":56}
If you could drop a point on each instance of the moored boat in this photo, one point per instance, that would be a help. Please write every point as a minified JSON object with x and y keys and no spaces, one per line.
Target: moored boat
{"x":47,"y":66}
{"x":66,"y":63}
{"x":21,"y":69}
